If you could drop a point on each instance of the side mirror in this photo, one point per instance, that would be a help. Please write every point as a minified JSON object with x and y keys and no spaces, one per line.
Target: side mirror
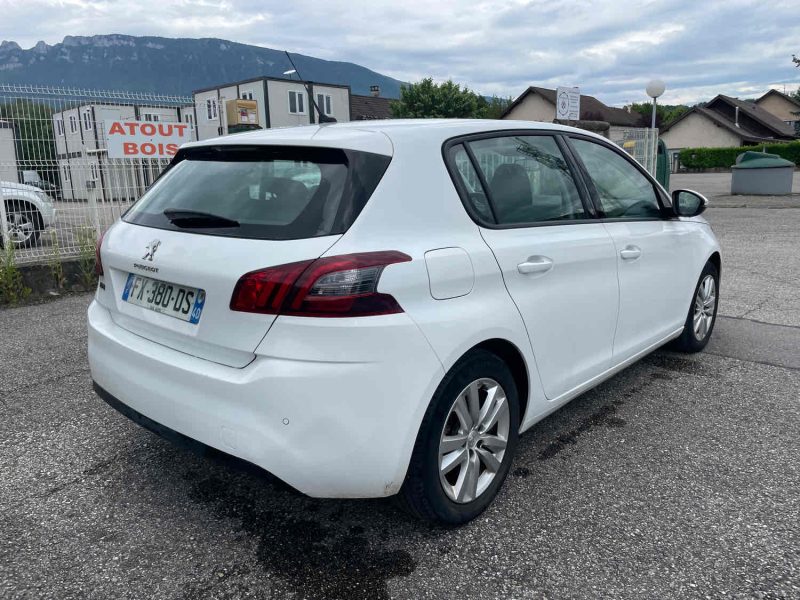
{"x":688,"y":203}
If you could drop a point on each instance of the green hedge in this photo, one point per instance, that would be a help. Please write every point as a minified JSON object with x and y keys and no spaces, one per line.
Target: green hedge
{"x":716,"y":158}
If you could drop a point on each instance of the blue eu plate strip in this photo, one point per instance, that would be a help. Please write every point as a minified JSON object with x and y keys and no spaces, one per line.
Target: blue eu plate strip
{"x":128,"y":285}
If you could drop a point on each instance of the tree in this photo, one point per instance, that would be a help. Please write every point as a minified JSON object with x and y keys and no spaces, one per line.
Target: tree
{"x":664,"y":112}
{"x":796,"y":93}
{"x":495,"y":107}
{"x":673,"y":112}
{"x":646,"y":110}
{"x":33,"y":132}
{"x":428,"y":100}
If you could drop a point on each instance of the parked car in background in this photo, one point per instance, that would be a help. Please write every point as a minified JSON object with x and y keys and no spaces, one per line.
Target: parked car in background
{"x":380,"y":308}
{"x":33,"y":178}
{"x":29,"y":211}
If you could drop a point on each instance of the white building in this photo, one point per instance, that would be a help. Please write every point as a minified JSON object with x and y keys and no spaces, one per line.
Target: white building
{"x":266,"y":102}
{"x":81,"y":153}
{"x":9,"y":171}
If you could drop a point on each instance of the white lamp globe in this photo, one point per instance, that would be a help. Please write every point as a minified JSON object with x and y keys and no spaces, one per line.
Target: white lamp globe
{"x":655,"y":88}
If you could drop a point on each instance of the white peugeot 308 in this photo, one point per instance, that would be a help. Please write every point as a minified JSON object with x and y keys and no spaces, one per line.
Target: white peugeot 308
{"x":380,"y":308}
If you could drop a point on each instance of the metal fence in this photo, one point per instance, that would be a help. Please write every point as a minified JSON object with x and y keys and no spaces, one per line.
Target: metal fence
{"x":642,"y":145}
{"x":61,"y":184}
{"x":60,"y":188}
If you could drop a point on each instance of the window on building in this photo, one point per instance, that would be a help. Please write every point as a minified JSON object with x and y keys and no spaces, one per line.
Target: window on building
{"x":296,"y":103}
{"x":189,"y":118}
{"x":151,"y":116}
{"x":73,"y":123}
{"x":94,"y":171}
{"x":65,"y":173}
{"x":211,"y":109}
{"x":59,"y":126}
{"x":247,"y":95}
{"x":324,"y":104}
{"x":87,"y":120}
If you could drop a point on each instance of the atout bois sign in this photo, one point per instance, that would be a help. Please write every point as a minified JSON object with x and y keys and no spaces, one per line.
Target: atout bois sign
{"x":145,"y":139}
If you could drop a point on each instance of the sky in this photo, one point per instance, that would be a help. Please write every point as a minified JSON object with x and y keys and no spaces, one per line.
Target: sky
{"x":611,"y":49}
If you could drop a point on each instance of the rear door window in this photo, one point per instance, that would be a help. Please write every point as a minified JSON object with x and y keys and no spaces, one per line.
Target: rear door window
{"x":471,"y":182}
{"x":263,"y":192}
{"x":527,"y":177}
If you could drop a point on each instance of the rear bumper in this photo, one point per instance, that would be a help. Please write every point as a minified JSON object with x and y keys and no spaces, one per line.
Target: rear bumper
{"x":340,"y":427}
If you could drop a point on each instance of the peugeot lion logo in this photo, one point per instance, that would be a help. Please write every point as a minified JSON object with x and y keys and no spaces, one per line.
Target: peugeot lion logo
{"x":151,"y":250}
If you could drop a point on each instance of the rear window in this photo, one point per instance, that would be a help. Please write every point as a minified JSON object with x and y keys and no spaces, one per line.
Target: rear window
{"x":265,"y":192}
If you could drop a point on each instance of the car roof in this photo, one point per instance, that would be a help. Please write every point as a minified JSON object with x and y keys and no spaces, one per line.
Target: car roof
{"x":379,"y":136}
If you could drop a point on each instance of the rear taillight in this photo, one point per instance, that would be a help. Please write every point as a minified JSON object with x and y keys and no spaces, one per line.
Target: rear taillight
{"x":336,"y":286}
{"x":98,"y":262}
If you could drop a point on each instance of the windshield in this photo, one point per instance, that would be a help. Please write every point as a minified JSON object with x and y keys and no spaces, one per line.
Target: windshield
{"x":266,"y":192}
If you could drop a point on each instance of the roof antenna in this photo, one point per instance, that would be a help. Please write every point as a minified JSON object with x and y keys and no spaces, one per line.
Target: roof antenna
{"x":323,"y":118}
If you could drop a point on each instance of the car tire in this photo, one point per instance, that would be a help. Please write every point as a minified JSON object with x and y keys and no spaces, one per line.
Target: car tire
{"x":25,"y":218}
{"x":702,"y":314}
{"x":429,"y":493}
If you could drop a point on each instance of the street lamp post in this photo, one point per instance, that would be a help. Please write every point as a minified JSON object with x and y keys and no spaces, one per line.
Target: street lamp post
{"x":654,"y":89}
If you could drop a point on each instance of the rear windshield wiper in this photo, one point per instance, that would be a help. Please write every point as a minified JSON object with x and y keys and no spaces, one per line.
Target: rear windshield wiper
{"x":196,"y":218}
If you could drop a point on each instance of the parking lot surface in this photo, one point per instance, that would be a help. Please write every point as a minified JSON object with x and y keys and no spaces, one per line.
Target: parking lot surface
{"x":678,"y":478}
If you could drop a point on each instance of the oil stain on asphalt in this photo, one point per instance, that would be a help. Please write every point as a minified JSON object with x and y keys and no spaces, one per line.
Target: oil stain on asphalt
{"x":309,"y":551}
{"x":604,"y":417}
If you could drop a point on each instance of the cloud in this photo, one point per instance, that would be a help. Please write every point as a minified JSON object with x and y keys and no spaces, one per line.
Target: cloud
{"x":611,"y":49}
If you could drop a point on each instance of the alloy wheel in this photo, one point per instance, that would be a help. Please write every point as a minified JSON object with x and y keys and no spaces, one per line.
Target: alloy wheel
{"x":20,"y":227}
{"x":473,"y":440}
{"x":704,"y":304}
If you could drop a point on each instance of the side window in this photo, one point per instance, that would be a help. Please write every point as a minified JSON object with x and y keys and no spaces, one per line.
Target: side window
{"x":623,"y":191}
{"x":528,"y":178}
{"x":296,"y":104}
{"x":471,"y":181}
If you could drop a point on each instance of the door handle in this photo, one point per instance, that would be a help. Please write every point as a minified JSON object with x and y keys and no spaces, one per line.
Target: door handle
{"x":535,"y":264}
{"x":630,"y":252}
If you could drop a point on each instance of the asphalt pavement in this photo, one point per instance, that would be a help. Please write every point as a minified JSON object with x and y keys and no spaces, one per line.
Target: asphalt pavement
{"x":678,"y":478}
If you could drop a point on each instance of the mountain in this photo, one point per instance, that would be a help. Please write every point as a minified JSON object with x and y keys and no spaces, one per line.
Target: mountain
{"x":169,"y":66}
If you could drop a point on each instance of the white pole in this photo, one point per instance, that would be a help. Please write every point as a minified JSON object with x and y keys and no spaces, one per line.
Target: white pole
{"x":653,"y":120}
{"x":92,"y":197}
{"x":3,"y":219}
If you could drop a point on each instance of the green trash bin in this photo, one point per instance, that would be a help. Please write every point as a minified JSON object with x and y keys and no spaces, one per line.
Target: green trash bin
{"x":761,"y":174}
{"x":662,"y":165}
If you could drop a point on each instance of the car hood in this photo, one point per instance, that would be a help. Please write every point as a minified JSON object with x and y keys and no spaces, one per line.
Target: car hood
{"x":20,"y":187}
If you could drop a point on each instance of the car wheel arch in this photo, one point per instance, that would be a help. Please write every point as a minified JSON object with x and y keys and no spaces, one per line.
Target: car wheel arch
{"x":26,"y":206}
{"x":716,"y":260}
{"x":509,"y":353}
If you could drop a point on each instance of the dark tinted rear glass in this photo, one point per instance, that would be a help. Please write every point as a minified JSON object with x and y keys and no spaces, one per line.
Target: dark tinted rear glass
{"x":275,"y":193}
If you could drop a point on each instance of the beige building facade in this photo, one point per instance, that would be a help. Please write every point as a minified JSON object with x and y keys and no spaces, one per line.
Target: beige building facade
{"x":699,"y":130}
{"x":783,"y":106}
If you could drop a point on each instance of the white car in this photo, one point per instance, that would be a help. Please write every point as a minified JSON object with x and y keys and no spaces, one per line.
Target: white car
{"x":29,"y":211}
{"x":380,"y":308}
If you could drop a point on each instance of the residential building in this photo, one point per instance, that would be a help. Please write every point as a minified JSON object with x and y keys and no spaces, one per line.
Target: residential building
{"x":539,"y":104}
{"x":9,"y":170}
{"x":278,"y":103}
{"x":367,"y":108}
{"x":783,"y":106}
{"x":82,"y":157}
{"x":723,"y":123}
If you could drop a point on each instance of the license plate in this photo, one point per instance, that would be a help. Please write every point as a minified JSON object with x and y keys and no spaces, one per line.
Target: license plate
{"x":179,"y":301}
